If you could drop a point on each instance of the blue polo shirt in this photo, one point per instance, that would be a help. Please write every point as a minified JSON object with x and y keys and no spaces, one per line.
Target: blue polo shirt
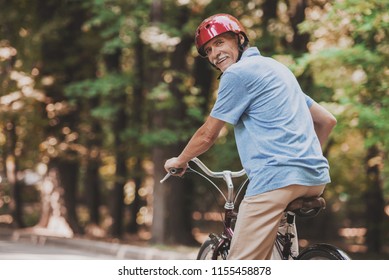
{"x":274,"y":131}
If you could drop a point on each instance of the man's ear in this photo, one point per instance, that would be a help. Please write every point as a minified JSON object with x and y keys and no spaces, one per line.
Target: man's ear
{"x":241,"y":39}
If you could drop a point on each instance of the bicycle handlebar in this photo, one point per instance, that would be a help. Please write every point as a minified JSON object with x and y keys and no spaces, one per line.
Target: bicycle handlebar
{"x":219,"y":174}
{"x":206,"y":170}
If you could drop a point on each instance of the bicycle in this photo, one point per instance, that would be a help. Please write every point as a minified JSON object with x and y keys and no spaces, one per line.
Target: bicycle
{"x":217,"y":246}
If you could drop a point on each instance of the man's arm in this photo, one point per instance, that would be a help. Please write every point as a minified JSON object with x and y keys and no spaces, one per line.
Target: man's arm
{"x":200,"y":142}
{"x":323,"y":121}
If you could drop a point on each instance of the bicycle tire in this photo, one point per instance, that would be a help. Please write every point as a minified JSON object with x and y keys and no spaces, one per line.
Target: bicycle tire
{"x":322,"y":252}
{"x":207,"y":249}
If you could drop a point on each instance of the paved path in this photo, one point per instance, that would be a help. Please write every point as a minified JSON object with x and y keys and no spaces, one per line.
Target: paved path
{"x":11,"y":250}
{"x":14,"y":245}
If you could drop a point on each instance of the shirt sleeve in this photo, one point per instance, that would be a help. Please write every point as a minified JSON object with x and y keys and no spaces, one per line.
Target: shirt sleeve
{"x":309,"y":101}
{"x":232,"y":99}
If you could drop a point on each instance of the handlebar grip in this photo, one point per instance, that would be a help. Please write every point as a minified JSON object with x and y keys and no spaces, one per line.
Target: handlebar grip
{"x":172,"y":171}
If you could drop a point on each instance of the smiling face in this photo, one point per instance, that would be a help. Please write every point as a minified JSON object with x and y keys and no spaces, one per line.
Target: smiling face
{"x":222,"y":51}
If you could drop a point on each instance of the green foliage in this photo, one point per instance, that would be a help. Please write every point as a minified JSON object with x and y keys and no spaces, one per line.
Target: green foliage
{"x":112,"y":20}
{"x":160,"y":137}
{"x":349,"y":54}
{"x":161,"y":97}
{"x":105,"y":87}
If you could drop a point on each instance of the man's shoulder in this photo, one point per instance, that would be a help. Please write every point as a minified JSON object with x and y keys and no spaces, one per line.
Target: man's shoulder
{"x":251,"y":51}
{"x":244,"y":67}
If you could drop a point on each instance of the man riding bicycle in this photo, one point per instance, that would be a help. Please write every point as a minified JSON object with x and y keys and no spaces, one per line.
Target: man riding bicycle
{"x":279,"y":131}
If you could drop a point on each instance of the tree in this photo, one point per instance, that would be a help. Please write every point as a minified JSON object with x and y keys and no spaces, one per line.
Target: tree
{"x":348,"y":56}
{"x":169,"y":225}
{"x":19,"y":103}
{"x":63,"y":45}
{"x":109,"y":94}
{"x":11,"y":153}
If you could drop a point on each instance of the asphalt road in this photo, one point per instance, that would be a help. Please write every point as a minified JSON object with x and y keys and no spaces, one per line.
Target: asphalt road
{"x":32,"y":247}
{"x":11,"y":250}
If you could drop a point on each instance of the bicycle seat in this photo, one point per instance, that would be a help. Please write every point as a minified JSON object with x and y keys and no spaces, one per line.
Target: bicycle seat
{"x":306,"y":206}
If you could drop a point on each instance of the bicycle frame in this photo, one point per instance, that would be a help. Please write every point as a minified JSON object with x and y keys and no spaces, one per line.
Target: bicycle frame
{"x":226,"y":236}
{"x":283,"y":243}
{"x":229,"y":214}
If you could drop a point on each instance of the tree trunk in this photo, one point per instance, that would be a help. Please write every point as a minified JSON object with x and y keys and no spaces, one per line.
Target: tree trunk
{"x":374,"y":201}
{"x":12,"y":169}
{"x":161,"y":193}
{"x":269,"y":8}
{"x":172,"y":200}
{"x":204,"y":76}
{"x":10,"y":158}
{"x":112,"y":63}
{"x":66,"y":60}
{"x":137,"y":124}
{"x":297,"y":16}
{"x":53,"y":214}
{"x":66,"y":178}
{"x":118,"y":192}
{"x":137,"y":203}
{"x":92,"y":181}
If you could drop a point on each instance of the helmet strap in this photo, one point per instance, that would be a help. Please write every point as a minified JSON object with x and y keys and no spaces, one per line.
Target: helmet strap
{"x":240,"y":49}
{"x":242,"y":46}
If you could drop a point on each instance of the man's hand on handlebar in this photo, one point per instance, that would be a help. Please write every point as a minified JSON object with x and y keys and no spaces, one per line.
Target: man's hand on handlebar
{"x":175,"y":168}
{"x":178,"y":167}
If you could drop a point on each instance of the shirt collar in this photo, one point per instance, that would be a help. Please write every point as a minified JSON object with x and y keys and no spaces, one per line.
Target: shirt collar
{"x":252,"y":51}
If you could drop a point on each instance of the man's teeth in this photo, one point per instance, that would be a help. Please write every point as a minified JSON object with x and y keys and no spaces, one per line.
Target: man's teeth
{"x":221,"y":60}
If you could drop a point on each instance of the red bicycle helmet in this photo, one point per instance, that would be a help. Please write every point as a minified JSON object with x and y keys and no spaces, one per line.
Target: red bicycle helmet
{"x":214,"y":26}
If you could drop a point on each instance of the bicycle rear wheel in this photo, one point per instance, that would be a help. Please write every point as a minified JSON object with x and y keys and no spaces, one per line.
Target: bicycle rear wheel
{"x":322,"y":252}
{"x":207,"y":250}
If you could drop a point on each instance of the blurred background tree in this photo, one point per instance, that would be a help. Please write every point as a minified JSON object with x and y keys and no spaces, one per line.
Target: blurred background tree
{"x":95,"y":95}
{"x":348,"y":57}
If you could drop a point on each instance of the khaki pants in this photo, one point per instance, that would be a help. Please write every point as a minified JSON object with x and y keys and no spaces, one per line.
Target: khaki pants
{"x":258,"y":220}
